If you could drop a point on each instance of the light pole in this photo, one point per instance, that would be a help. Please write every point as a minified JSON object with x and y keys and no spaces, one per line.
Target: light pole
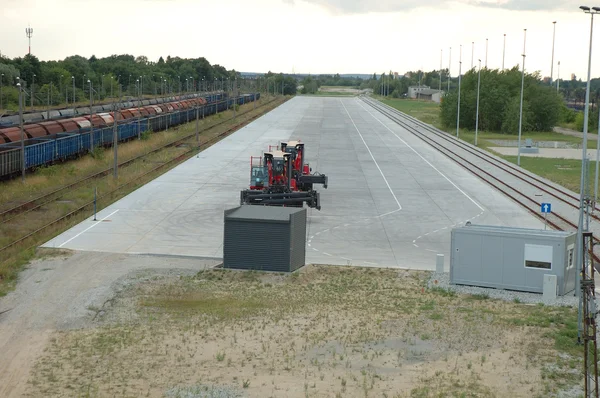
{"x":73,"y":79}
{"x":111,"y":86}
{"x":521,"y":104}
{"x":459,"y":79}
{"x":579,"y":255}
{"x":91,"y":117}
{"x":558,"y":78}
{"x":32,"y":89}
{"x":102,"y":88}
{"x":503,"y":51}
{"x":441,"y":56}
{"x":1,"y":84}
{"x":552,"y":64}
{"x":21,"y":128}
{"x":449,"y":65}
{"x":472,"y":53}
{"x":486,"y":52}
{"x":477,"y":108}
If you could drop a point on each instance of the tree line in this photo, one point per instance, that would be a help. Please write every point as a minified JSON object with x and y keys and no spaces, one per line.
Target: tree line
{"x":499,"y":102}
{"x":67,"y":80}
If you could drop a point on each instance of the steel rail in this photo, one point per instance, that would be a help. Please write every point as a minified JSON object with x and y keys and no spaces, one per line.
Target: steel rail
{"x":31,"y":205}
{"x":175,"y":160}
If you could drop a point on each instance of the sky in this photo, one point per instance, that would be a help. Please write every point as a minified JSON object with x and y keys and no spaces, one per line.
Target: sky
{"x":309,"y":36}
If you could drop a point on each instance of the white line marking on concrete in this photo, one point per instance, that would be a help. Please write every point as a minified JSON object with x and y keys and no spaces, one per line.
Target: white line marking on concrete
{"x":345,"y":225}
{"x":317,"y":233}
{"x":367,"y":262}
{"x":372,"y":157}
{"x":415,"y":245}
{"x":311,"y":237}
{"x":346,"y":258}
{"x":88,"y":228}
{"x":429,"y":250}
{"x":337,"y":227}
{"x":309,"y":244}
{"x":419,"y":238}
{"x":315,"y":249}
{"x":444,"y":228}
{"x":414,"y":241}
{"x":425,"y":160}
{"x":327,"y":254}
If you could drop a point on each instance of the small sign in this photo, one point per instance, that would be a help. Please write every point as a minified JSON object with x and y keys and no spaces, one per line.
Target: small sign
{"x":546,"y":208}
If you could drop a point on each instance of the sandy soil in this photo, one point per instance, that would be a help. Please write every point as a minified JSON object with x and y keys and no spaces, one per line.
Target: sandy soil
{"x":105,"y":327}
{"x":60,"y":292}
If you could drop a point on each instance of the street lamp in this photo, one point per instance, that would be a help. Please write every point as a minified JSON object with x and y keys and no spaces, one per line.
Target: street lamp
{"x":449,"y":65}
{"x":521,"y":104}
{"x":1,"y":78}
{"x":503,"y":51}
{"x":32,"y":89}
{"x":73,"y":79}
{"x":486,"y":52}
{"x":579,"y":255}
{"x":441,"y":56}
{"x":558,"y":78}
{"x":552,"y":64}
{"x":459,"y":80}
{"x":477,"y":108}
{"x":472,"y":53}
{"x":21,"y":128}
{"x":111,"y":86}
{"x":91,"y":116}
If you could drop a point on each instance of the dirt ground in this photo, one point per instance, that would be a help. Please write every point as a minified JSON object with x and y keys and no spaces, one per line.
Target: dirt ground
{"x":96,"y":324}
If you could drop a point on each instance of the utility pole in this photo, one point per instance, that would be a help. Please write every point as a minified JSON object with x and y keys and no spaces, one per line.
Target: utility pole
{"x":558,"y":79}
{"x":73,"y":78}
{"x":1,"y":84}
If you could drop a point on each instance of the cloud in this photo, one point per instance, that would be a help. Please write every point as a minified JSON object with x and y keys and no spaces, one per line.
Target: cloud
{"x":363,"y":7}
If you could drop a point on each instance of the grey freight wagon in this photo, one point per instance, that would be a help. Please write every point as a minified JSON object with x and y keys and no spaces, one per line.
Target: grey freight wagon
{"x":512,"y":258}
{"x":267,"y":238}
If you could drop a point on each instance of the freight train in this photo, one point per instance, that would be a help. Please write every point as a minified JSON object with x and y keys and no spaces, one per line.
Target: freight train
{"x":59,"y":139}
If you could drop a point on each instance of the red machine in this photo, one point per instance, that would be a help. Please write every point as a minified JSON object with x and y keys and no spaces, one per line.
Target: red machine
{"x":276,"y":179}
{"x":301,"y":171}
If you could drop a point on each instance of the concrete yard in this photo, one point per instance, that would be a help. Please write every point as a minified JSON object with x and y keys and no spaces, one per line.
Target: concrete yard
{"x":391,"y":200}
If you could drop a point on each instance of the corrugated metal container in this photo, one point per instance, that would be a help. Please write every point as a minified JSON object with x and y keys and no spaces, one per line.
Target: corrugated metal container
{"x":266,"y":238}
{"x":512,"y":258}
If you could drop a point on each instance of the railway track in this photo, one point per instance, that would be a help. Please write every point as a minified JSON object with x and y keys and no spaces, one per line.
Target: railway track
{"x":518,"y":184}
{"x":43,"y":200}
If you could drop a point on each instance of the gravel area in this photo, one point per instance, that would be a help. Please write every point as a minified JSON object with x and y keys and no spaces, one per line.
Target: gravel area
{"x":443,"y":281}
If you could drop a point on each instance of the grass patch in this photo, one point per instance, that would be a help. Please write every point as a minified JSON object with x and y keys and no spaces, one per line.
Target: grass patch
{"x":336,"y":331}
{"x":426,"y":111}
{"x":565,"y":172}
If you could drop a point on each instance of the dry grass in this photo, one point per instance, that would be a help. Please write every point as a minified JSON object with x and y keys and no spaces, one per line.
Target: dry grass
{"x":325,"y":331}
{"x":50,"y":178}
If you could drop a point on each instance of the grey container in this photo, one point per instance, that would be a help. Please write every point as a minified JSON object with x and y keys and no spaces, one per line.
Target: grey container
{"x":512,"y":258}
{"x":267,"y":238}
